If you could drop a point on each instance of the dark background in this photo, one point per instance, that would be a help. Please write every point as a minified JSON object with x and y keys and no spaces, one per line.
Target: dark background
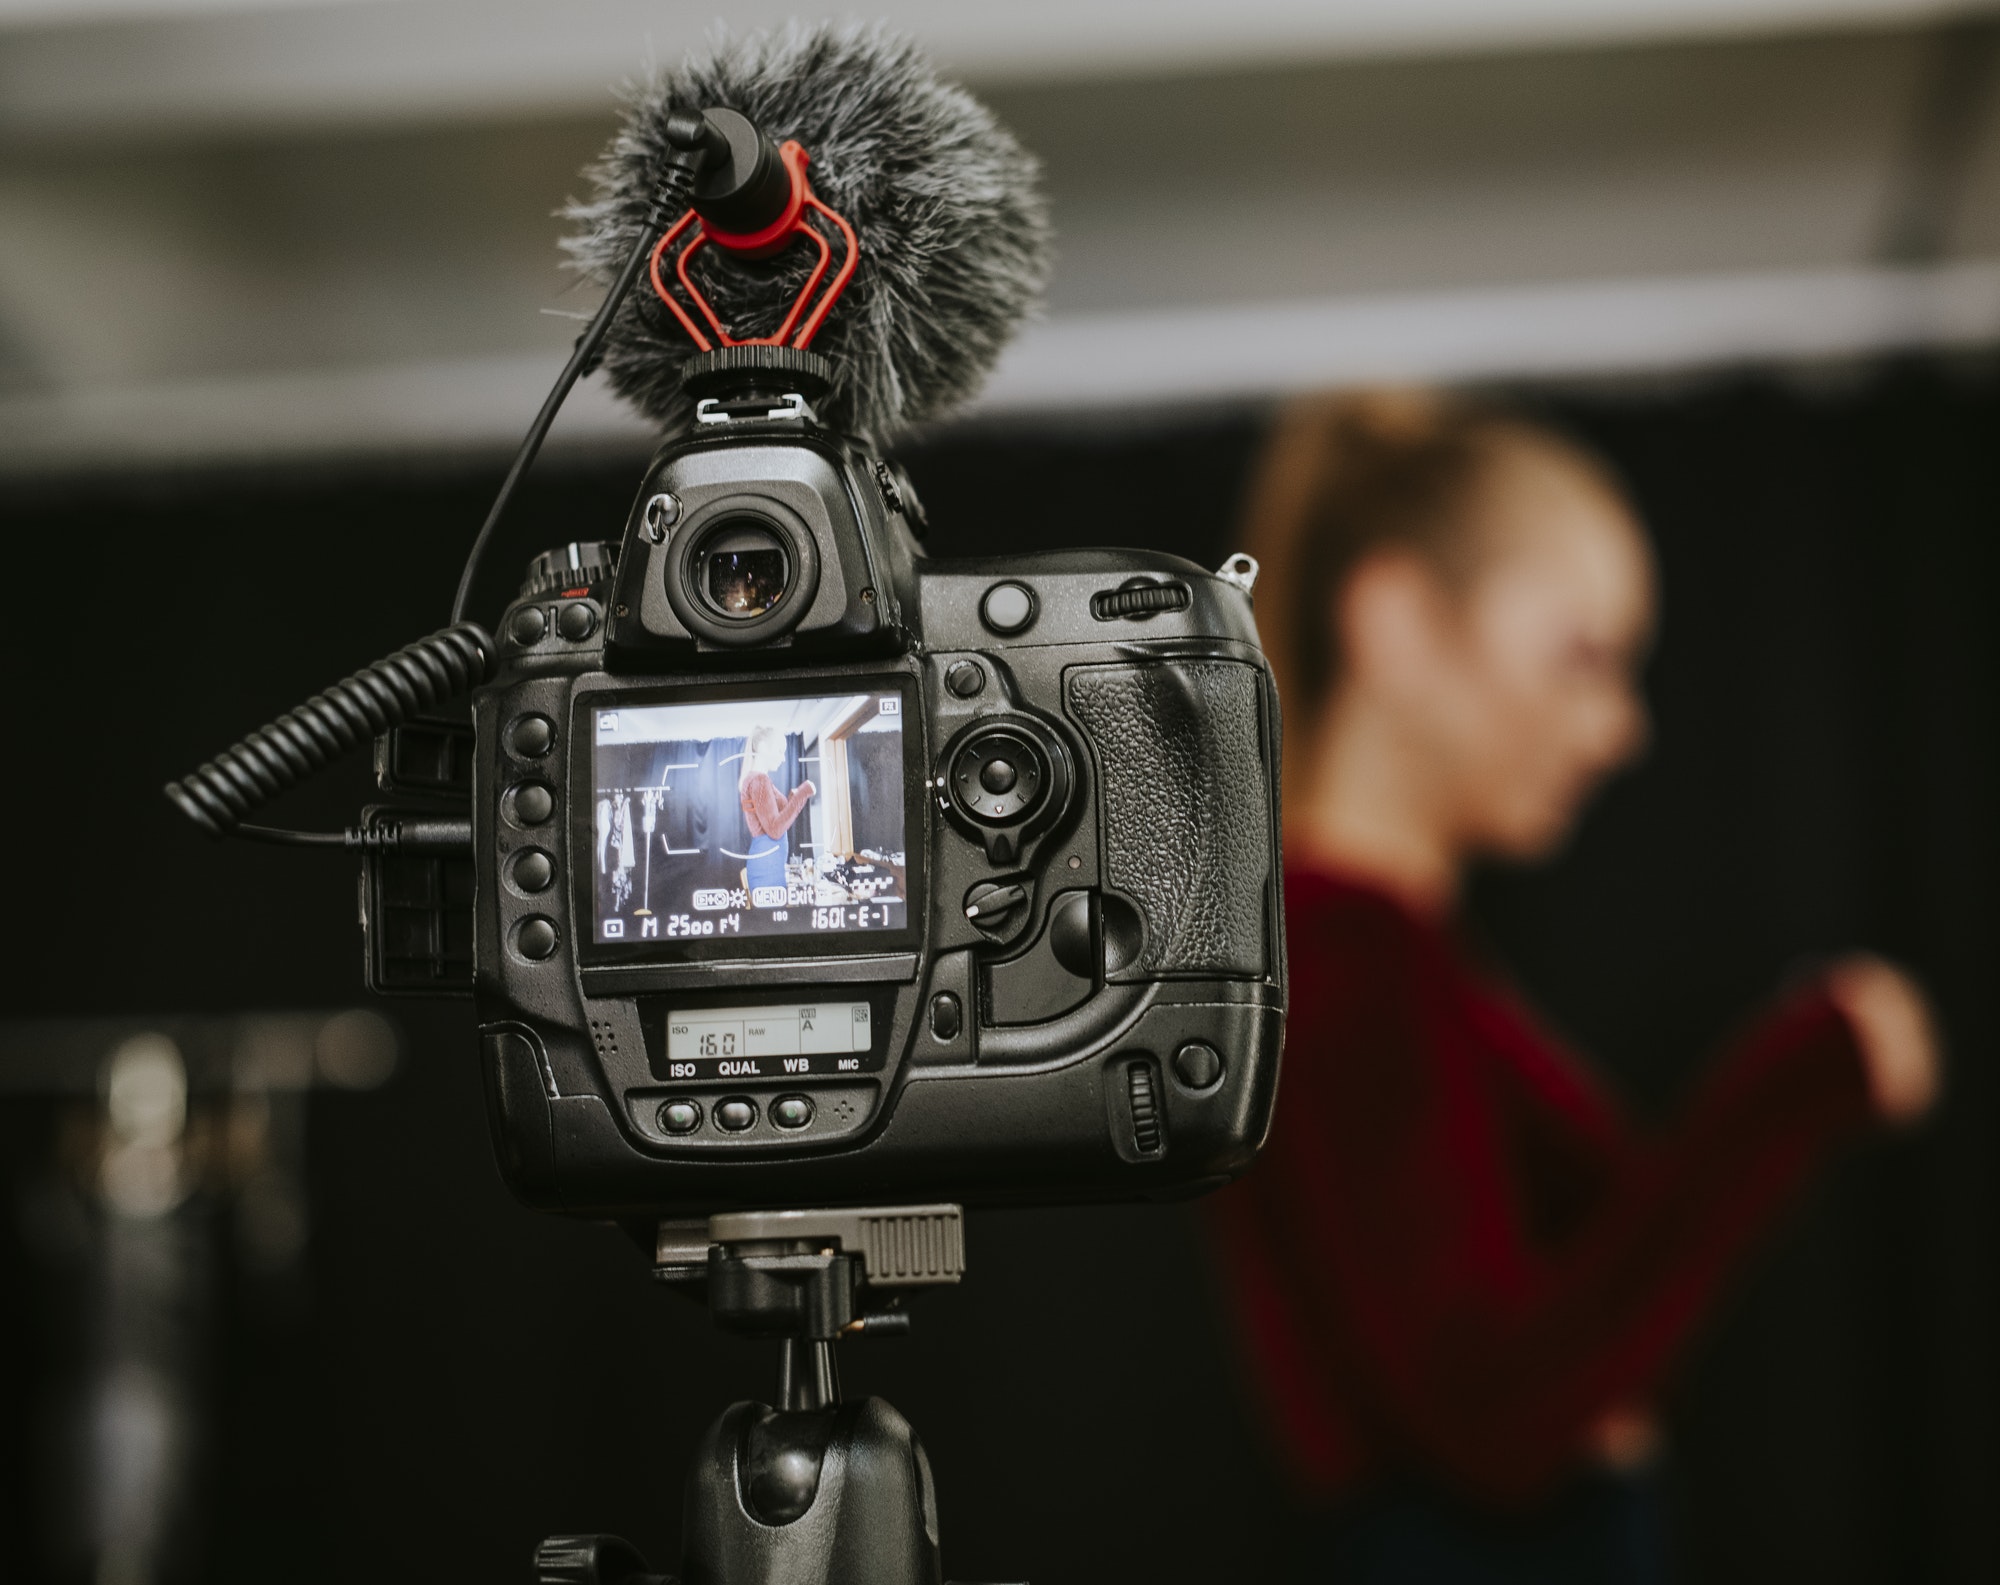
{"x":458,"y":1377}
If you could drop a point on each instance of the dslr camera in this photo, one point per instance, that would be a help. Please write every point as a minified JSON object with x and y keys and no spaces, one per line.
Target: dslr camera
{"x":806,"y":879}
{"x":810,"y":870}
{"x":802,"y":869}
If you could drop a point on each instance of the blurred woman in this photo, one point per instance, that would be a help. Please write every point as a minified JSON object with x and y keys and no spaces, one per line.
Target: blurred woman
{"x":1461,"y":1272}
{"x":768,"y":812}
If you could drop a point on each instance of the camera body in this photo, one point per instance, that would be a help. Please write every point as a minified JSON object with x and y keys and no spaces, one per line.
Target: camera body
{"x":811,"y":871}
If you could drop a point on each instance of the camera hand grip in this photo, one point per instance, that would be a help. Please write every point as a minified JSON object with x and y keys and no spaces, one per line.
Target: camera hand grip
{"x":1186,"y":807}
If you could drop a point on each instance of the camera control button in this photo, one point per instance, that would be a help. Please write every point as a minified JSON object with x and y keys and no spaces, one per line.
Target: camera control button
{"x":994,"y":906}
{"x":529,"y":625}
{"x":736,"y":1114}
{"x":965,"y":678}
{"x":680,"y":1117}
{"x":576,"y":621}
{"x":1008,"y":607}
{"x":533,"y":870}
{"x":531,"y":736}
{"x":792,"y":1111}
{"x":998,"y":776}
{"x":533,"y":803}
{"x":536,"y":938}
{"x":1198,"y":1066}
{"x":947,"y":1017}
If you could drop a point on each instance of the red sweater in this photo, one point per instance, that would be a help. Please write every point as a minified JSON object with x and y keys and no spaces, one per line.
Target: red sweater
{"x":764,"y":811}
{"x":1454,"y":1255}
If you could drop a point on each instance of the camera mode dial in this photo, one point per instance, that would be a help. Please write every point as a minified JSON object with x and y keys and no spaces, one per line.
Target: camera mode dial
{"x":577,"y":565}
{"x":1002,"y":780}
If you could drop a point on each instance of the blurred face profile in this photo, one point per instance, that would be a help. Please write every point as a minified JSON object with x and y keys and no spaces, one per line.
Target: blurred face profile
{"x":1519,"y":685}
{"x":763,"y":751}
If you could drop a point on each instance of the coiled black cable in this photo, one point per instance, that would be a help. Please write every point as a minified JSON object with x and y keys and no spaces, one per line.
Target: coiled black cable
{"x":353,"y":711}
{"x":253,"y":772}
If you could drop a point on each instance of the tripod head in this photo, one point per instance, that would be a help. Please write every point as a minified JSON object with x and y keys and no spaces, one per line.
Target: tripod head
{"x":811,"y":1491}
{"x":812,"y":1277}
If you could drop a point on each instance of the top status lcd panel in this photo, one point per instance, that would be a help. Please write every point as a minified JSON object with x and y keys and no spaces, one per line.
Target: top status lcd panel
{"x":749,"y":817}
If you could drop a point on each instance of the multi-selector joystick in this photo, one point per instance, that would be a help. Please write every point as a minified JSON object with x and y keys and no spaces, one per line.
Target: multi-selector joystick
{"x":1003,"y":780}
{"x":997,"y":778}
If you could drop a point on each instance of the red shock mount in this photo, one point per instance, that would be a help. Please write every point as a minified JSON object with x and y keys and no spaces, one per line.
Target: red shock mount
{"x":802,"y":323}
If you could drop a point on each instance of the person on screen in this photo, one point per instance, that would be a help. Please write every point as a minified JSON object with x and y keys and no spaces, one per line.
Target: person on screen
{"x":768,"y":812}
{"x":1461,"y":1273}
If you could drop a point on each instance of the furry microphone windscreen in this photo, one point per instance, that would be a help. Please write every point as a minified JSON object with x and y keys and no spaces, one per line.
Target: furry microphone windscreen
{"x":954,"y":233}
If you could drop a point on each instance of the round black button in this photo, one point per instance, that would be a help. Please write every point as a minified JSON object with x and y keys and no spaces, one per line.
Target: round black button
{"x":946,"y":1019}
{"x":529,"y":625}
{"x":680,"y":1117}
{"x":533,"y":870}
{"x":792,"y":1111}
{"x":736,"y":1114}
{"x":537,"y":938}
{"x":998,"y":776}
{"x":965,"y":678}
{"x":531,"y":736}
{"x":533,"y":803}
{"x":1008,"y":607}
{"x":576,"y":621}
{"x":1197,"y":1066}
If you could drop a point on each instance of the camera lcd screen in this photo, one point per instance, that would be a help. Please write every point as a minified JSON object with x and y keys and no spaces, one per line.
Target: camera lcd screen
{"x":749,"y":817}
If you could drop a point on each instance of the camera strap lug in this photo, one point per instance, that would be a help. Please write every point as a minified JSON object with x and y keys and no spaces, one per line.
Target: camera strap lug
{"x":1240,"y":570}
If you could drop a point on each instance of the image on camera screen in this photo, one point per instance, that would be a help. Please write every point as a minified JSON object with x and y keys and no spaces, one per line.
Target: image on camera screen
{"x":749,"y":817}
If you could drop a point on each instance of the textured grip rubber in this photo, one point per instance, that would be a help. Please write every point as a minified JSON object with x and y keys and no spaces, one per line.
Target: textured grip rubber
{"x":1186,"y":799}
{"x":354,"y":710}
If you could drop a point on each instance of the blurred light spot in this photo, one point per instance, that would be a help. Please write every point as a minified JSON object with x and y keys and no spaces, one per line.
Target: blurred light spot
{"x":136,"y":1436}
{"x":145,"y":1104}
{"x":142,"y":1180}
{"x":356,"y":1050}
{"x":145,"y":1091}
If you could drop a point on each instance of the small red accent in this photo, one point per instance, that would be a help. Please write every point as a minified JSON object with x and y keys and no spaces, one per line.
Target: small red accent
{"x":800,"y":326}
{"x":572,"y":594}
{"x":759,"y":244}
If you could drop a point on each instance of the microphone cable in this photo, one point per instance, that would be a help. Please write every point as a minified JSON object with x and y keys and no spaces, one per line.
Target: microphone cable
{"x":219,"y":794}
{"x":673,"y":193}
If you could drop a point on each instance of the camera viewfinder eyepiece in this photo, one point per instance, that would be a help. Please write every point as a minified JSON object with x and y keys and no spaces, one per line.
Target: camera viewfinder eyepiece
{"x":742,"y":569}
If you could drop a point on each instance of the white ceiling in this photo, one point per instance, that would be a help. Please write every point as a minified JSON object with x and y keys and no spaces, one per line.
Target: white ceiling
{"x":267,"y":229}
{"x":68,"y":66}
